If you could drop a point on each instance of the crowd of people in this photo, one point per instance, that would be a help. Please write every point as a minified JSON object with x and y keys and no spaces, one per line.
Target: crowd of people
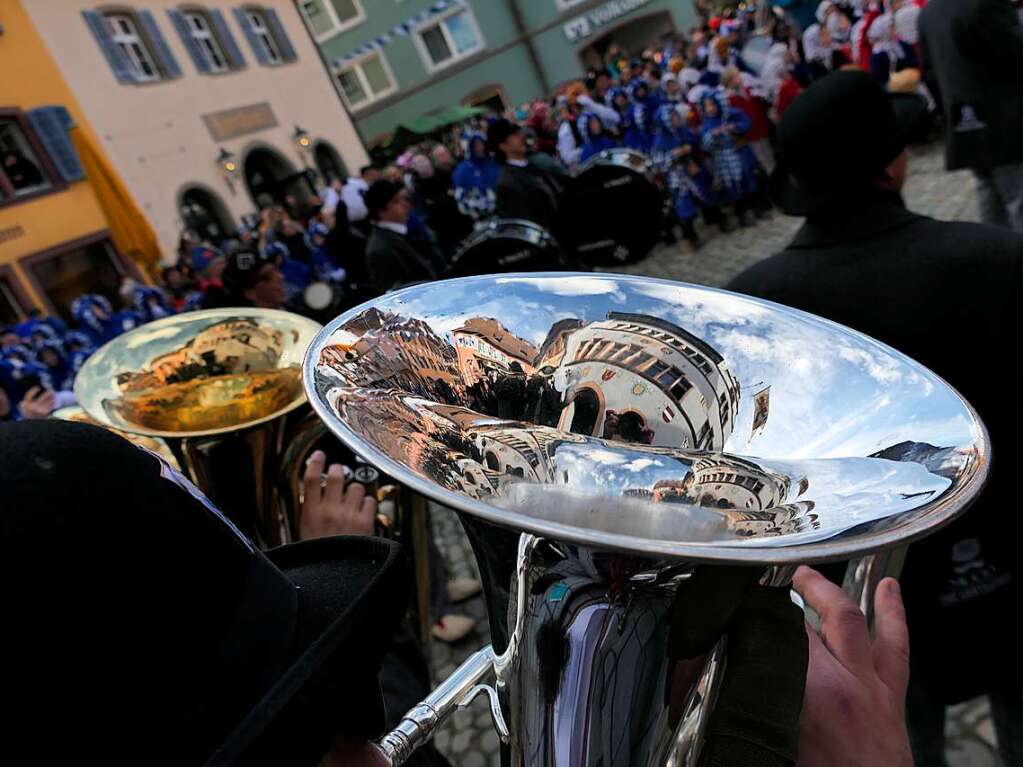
{"x":691,"y":103}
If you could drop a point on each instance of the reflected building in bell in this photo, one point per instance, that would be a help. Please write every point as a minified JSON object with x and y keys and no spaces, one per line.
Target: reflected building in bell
{"x":401,"y":353}
{"x":646,"y":380}
{"x":484,"y":347}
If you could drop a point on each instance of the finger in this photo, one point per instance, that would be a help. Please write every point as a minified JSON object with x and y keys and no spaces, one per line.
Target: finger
{"x":313,"y":474}
{"x":367,"y":516}
{"x":891,"y":637}
{"x":34,"y":392}
{"x":843,"y":627}
{"x":335,"y":486}
{"x":354,"y":495}
{"x":369,"y":506}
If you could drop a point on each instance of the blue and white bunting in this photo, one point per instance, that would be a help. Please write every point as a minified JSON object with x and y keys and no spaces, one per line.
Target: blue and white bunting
{"x":404,"y":29}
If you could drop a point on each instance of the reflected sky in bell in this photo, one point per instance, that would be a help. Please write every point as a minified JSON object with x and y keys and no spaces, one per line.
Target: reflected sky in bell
{"x":832,"y":394}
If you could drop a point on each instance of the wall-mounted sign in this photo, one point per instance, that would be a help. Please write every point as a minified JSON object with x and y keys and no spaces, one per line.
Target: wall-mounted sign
{"x":232,"y":123}
{"x":11,"y":233}
{"x":583,"y":26}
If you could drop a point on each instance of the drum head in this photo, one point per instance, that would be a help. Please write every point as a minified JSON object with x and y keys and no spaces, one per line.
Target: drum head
{"x":507,"y":246}
{"x":614,"y":214}
{"x":640,"y":415}
{"x":318,"y":296}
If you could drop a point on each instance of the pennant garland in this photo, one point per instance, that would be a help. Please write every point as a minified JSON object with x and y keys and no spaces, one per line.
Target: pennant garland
{"x":404,"y":29}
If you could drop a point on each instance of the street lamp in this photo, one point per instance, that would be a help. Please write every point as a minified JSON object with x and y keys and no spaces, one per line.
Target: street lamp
{"x":228,"y":164}
{"x":301,"y":139}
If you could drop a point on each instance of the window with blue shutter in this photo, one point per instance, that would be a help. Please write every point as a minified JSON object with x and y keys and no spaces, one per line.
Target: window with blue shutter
{"x":231,"y":49}
{"x":270,"y":43}
{"x":191,"y":45}
{"x":167,"y":63}
{"x":115,"y":56}
{"x":283,"y":43}
{"x":255,"y":43}
{"x":51,"y":125}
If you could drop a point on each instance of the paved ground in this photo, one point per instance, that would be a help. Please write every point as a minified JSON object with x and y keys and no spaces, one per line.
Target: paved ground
{"x":468,"y":739}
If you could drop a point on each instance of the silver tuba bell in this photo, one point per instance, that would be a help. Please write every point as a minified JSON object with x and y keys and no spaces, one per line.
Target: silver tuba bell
{"x":604,"y":438}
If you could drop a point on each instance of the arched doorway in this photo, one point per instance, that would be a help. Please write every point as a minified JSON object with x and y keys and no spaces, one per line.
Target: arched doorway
{"x":586,"y":412}
{"x":632,"y":37}
{"x":271,"y":178}
{"x":204,"y":212}
{"x":493,"y":98}
{"x":329,"y":162}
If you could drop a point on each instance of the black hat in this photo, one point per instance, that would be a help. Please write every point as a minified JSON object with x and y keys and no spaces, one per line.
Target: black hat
{"x":241,"y":271}
{"x":837,"y":137}
{"x":379,"y":195}
{"x":498,"y":132}
{"x":143,"y":626}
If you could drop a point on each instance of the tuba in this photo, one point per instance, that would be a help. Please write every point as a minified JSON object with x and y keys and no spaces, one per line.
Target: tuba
{"x":604,"y":439}
{"x":222,"y":391}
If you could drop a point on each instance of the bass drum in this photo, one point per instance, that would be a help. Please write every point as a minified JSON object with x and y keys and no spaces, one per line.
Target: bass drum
{"x":613,"y":208}
{"x":508,"y":245}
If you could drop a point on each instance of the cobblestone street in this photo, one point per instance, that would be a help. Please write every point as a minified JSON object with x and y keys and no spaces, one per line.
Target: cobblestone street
{"x":469,"y":739}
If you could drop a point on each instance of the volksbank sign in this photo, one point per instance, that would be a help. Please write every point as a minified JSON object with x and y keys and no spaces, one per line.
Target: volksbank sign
{"x":583,"y":26}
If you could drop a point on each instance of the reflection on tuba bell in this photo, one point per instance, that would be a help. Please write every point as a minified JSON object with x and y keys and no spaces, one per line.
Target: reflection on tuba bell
{"x":605,"y":437}
{"x":222,"y":388}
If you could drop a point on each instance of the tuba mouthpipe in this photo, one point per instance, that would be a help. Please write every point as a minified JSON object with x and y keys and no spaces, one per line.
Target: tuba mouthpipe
{"x":419,"y":724}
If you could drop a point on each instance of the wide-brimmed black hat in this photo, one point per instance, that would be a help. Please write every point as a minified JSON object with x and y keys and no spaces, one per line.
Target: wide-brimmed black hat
{"x":837,"y":137}
{"x":142,"y":627}
{"x":241,"y":271}
{"x":379,"y":196}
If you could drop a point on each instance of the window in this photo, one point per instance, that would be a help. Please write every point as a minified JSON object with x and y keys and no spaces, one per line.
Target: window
{"x":452,"y":38}
{"x":126,"y":36}
{"x":205,"y":41}
{"x":263,"y":37}
{"x":22,"y":170}
{"x":325,"y":18}
{"x":90,"y":266}
{"x":366,"y":80}
{"x":13,"y":305}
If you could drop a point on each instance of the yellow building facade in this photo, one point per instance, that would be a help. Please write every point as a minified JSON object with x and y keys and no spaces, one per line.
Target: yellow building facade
{"x":56,"y":237}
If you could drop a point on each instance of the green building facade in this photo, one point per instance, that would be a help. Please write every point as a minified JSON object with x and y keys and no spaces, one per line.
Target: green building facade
{"x":399,"y":60}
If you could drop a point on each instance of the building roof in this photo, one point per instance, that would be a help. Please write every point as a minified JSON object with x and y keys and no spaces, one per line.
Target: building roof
{"x":498,"y":336}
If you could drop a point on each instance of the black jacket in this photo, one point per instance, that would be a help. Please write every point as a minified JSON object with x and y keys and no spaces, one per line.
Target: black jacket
{"x":393,"y":259}
{"x":529,"y":193}
{"x":946,"y":294}
{"x":973,"y":63}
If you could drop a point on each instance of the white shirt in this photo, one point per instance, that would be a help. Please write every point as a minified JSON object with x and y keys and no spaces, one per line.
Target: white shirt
{"x":518,"y":163}
{"x":352,"y":193}
{"x":568,"y":150}
{"x":607,"y":115}
{"x":401,"y":229}
{"x":330,"y":198}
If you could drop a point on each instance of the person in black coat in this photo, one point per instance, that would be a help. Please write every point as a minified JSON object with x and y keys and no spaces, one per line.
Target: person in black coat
{"x":947,"y":295}
{"x":523,"y":190}
{"x":973,"y":64}
{"x":393,"y":257}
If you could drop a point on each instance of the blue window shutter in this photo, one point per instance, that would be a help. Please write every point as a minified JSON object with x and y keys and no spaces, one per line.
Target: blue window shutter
{"x":226,"y":39}
{"x":181,"y":25}
{"x":113,"y":54}
{"x":168,"y":64}
{"x":287,"y":50}
{"x":51,"y":124}
{"x":257,"y":49}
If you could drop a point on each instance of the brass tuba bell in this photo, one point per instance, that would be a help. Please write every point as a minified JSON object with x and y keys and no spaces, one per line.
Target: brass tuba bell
{"x":222,"y":388}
